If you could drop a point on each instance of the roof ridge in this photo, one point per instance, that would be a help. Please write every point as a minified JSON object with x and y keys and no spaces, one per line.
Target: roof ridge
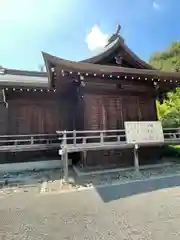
{"x":31,"y":73}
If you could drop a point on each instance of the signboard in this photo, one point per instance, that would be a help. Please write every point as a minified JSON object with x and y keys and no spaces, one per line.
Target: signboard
{"x":144,"y":132}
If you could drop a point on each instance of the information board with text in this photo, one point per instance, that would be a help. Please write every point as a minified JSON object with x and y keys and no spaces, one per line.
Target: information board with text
{"x":144,"y":132}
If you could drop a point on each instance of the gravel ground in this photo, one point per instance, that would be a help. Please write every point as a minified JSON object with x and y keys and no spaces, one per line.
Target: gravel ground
{"x":130,"y":175}
{"x":84,"y":215}
{"x":51,"y":180}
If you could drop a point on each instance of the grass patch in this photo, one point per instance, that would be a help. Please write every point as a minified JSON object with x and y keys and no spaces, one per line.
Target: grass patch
{"x":172,"y":151}
{"x":175,"y":146}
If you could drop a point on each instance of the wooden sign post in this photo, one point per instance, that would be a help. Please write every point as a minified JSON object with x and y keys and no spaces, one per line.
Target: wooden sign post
{"x":143,"y":133}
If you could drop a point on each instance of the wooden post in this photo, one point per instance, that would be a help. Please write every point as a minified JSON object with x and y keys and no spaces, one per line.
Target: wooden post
{"x":65,"y":156}
{"x":136,"y":157}
{"x":74,"y":137}
{"x":32,"y":140}
{"x":64,"y":138}
{"x":65,"y":165}
{"x":101,"y":137}
{"x":84,"y":153}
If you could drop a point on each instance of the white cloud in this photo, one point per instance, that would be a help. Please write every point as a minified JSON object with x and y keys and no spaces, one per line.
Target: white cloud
{"x":96,"y":38}
{"x":156,"y":5}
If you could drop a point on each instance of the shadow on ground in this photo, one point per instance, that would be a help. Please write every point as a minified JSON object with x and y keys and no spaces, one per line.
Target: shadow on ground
{"x":114,"y":192}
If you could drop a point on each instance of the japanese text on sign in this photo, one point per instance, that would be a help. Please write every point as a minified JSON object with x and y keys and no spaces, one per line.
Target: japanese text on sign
{"x":144,"y":132}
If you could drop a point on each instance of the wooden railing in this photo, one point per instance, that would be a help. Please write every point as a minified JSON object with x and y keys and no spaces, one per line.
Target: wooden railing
{"x":75,"y":141}
{"x":82,"y":141}
{"x":78,"y":141}
{"x":171,"y":134}
{"x":30,"y":142}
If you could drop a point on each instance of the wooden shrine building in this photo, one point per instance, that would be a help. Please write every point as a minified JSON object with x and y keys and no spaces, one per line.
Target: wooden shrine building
{"x":101,"y":92}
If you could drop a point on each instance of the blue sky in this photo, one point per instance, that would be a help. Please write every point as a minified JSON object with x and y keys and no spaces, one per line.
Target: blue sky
{"x":76,"y":29}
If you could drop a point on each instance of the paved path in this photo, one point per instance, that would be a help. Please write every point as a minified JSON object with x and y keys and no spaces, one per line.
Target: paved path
{"x":86,"y":215}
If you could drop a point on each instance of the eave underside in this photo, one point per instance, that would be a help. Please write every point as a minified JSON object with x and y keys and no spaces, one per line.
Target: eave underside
{"x":8,"y":80}
{"x":169,"y":80}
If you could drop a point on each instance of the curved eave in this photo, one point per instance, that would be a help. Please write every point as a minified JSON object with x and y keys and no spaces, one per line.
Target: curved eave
{"x":136,"y":58}
{"x":47,"y":64}
{"x":90,"y":68}
{"x":118,"y":43}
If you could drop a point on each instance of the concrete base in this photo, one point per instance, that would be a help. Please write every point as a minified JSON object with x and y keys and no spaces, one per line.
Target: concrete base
{"x":30,"y":166}
{"x":80,"y":172}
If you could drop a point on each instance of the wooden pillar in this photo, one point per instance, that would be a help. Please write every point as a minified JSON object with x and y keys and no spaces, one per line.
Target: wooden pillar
{"x":65,"y":157}
{"x":65,"y":165}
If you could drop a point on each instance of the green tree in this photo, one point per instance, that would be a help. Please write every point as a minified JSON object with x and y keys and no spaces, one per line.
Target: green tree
{"x":169,"y":60}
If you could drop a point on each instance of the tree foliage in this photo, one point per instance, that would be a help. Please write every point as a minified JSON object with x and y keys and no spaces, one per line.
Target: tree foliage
{"x":169,"y":60}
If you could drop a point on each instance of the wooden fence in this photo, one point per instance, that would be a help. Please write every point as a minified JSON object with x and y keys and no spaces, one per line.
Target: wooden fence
{"x":82,"y":141}
{"x":32,"y":142}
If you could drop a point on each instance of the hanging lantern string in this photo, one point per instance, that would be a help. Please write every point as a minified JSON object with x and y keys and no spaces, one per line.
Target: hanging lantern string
{"x":122,"y":77}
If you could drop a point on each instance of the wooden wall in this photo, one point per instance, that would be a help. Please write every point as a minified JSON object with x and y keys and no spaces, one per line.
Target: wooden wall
{"x":110,"y":112}
{"x":103,"y":107}
{"x":35,"y":115}
{"x":32,"y":117}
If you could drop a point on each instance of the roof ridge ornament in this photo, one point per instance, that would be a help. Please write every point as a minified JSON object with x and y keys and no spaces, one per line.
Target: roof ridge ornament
{"x":114,"y":36}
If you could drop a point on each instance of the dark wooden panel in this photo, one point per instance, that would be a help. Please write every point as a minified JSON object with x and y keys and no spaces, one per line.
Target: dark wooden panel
{"x":113,"y":108}
{"x":93,"y":111}
{"x":33,"y":117}
{"x":103,"y":112}
{"x":3,"y":119}
{"x":130,"y":108}
{"x":121,"y":158}
{"x":110,"y":111}
{"x":147,"y":108}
